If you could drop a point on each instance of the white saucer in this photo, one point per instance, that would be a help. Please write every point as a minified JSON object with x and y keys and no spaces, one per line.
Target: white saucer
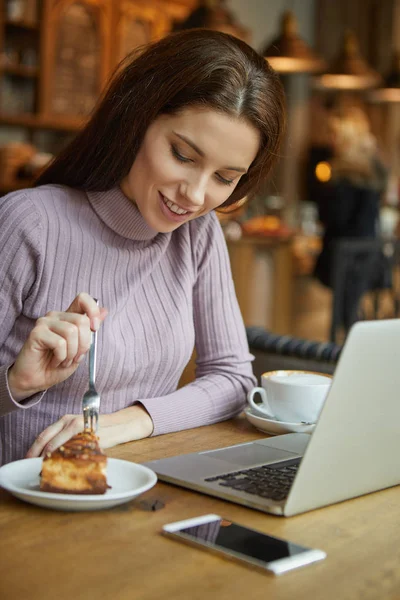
{"x":127,"y":480}
{"x":275,"y":427}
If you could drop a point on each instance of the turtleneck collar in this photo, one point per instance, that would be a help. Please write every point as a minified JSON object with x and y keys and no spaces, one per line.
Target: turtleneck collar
{"x":121,"y":214}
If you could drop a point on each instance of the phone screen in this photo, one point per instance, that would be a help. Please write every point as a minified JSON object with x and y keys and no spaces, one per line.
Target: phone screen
{"x":229,"y":536}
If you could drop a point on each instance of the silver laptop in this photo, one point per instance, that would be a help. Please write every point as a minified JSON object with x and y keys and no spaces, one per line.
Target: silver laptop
{"x":353,"y":450}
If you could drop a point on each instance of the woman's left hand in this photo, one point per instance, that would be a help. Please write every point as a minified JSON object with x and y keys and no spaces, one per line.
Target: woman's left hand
{"x":132,"y":423}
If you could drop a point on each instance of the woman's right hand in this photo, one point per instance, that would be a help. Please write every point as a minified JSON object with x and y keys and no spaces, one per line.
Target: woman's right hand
{"x":55,"y":347}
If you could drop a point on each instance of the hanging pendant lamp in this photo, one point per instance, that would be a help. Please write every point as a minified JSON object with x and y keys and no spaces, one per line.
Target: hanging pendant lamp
{"x":390,"y":91}
{"x":214,"y":14}
{"x":349,"y":71}
{"x":289,"y":53}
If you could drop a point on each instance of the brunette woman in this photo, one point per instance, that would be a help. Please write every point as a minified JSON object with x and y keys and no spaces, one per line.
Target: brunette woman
{"x":126,"y":214}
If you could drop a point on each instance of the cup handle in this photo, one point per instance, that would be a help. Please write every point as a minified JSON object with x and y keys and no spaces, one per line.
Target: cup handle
{"x":264,"y":407}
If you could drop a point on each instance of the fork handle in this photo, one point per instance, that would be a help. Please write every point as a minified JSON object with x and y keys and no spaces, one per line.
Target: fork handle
{"x":93,"y":355}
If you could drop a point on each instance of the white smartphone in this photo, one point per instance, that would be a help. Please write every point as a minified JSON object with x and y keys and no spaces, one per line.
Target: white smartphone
{"x":253,"y":547}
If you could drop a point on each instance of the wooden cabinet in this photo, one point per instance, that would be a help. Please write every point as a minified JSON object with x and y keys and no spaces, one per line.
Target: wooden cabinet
{"x":20,"y":50}
{"x":59,"y":54}
{"x":24,"y":56}
{"x":56,"y":57}
{"x":76,"y":43}
{"x":137,"y":22}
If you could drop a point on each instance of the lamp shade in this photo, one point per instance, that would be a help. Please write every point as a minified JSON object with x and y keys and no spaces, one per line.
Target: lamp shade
{"x":349,"y":71}
{"x":390,"y":92}
{"x":213,"y":14}
{"x":289,"y":53}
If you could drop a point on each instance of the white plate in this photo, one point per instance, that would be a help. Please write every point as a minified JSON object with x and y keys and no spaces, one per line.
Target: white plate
{"x":275,"y":427}
{"x":127,"y":480}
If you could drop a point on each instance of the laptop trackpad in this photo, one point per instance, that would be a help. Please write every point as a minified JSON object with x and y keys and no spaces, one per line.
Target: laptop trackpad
{"x":250,"y":454}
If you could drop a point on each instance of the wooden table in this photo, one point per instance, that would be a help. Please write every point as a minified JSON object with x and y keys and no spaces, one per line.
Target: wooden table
{"x":119,"y":554}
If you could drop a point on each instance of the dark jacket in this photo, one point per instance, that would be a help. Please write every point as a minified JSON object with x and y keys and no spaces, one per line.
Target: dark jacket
{"x":345,"y":211}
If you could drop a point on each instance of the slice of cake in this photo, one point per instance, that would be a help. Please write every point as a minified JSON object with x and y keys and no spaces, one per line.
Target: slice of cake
{"x":77,"y":467}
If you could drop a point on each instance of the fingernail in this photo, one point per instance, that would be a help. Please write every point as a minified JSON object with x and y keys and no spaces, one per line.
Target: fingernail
{"x":96,"y":323}
{"x":80,"y":358}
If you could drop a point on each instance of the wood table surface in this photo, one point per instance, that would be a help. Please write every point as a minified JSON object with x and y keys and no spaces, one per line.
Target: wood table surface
{"x":119,"y":554}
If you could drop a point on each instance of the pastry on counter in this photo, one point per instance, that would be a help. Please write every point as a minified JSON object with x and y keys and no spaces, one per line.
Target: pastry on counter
{"x":268,"y":225}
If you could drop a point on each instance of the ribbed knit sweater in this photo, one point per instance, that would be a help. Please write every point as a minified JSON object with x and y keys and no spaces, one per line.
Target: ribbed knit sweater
{"x":164,"y":292}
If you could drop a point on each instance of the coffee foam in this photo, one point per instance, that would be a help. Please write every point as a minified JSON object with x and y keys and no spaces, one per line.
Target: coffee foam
{"x":300,"y":379}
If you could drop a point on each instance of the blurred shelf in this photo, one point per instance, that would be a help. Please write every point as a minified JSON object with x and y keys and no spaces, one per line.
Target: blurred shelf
{"x":21,"y":24}
{"x":32,"y":121}
{"x":20,"y":70}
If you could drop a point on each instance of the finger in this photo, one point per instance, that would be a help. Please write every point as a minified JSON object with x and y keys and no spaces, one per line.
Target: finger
{"x":71,"y":428}
{"x":61,"y":337}
{"x":55,"y":435}
{"x":103,"y":313}
{"x":44,"y":438}
{"x":84,"y":339}
{"x":46,"y":339}
{"x":70,"y":335}
{"x":74,"y":328}
{"x":85,"y":304}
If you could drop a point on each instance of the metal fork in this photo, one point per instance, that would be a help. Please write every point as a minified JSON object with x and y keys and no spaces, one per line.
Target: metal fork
{"x":91,"y":398}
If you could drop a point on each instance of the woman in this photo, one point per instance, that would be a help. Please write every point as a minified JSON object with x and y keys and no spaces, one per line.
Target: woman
{"x":349,"y":202}
{"x":348,"y":207}
{"x":126,"y":214}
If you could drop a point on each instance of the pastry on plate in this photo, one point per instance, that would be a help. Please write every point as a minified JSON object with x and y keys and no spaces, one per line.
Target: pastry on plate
{"x":77,"y":467}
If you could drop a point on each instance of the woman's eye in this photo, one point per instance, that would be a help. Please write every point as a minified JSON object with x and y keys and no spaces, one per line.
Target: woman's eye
{"x":184,"y":159}
{"x":224,"y":180}
{"x":179,"y":156}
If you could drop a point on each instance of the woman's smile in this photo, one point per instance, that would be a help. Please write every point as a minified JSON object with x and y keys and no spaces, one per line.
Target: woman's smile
{"x":173,"y":211}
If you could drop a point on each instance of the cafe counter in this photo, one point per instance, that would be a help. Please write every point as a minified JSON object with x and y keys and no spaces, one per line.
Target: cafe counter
{"x":262,"y":270}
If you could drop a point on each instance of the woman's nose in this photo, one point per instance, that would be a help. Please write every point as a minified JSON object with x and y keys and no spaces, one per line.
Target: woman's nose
{"x":194,"y":191}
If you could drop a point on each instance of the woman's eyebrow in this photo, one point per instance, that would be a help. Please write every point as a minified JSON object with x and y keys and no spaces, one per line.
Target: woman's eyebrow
{"x":201,"y":153}
{"x":190,"y":143}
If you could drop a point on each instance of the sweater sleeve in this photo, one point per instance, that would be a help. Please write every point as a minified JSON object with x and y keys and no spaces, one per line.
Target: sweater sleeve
{"x":20,"y":235}
{"x":223,"y":366}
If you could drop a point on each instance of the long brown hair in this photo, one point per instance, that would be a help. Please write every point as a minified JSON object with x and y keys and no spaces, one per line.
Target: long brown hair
{"x":197,"y":67}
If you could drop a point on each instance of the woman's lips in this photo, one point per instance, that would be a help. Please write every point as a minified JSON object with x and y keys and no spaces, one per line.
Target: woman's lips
{"x":170,"y":214}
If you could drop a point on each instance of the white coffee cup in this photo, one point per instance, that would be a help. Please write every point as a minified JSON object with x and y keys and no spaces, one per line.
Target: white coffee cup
{"x":291,"y":396}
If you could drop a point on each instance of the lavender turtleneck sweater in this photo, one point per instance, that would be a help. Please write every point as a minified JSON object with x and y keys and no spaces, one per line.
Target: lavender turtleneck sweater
{"x":165,"y":292}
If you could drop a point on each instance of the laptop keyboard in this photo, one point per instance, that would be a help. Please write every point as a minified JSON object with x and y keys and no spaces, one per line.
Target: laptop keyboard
{"x":267,"y":481}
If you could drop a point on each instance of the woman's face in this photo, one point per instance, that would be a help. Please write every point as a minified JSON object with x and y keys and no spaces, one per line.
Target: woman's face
{"x":189,"y":164}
